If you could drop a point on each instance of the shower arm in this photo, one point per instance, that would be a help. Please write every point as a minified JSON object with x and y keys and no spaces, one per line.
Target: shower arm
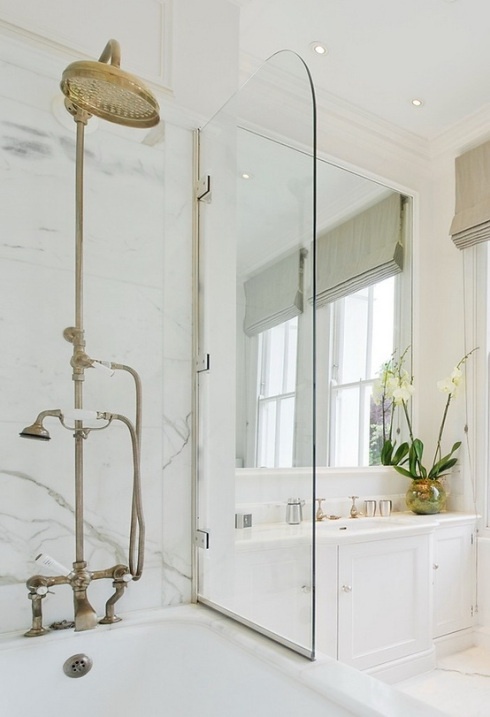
{"x":112,"y":53}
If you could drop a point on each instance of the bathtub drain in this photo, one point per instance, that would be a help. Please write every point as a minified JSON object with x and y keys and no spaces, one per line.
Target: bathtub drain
{"x":77,"y":666}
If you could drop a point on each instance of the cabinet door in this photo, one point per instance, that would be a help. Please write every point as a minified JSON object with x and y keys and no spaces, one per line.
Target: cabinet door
{"x":326,"y":600}
{"x":384,"y":600}
{"x":454,"y":578}
{"x":273,"y":589}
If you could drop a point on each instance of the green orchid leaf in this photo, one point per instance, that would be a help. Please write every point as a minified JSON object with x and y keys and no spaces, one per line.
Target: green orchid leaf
{"x":404,"y":472}
{"x":386,"y":453}
{"x":445,"y":463}
{"x":442,"y":466}
{"x":415,"y":459}
{"x":401,"y":454}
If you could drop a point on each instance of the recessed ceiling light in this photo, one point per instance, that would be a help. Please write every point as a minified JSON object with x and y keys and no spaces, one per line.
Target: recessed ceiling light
{"x":319,"y":48}
{"x":417,"y":103}
{"x":246,"y":175}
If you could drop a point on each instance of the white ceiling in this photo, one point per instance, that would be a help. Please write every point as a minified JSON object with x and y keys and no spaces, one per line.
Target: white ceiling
{"x":383,"y":53}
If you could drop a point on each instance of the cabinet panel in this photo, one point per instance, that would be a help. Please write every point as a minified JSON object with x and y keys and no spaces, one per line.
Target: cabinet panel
{"x":326,"y":599}
{"x":384,"y":600}
{"x":454,"y":579}
{"x":273,"y":588}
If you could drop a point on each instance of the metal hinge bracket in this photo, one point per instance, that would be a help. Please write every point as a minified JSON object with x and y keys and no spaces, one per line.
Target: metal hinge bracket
{"x":472,"y":538}
{"x":201,"y":538}
{"x":203,"y":189}
{"x":203,"y":363}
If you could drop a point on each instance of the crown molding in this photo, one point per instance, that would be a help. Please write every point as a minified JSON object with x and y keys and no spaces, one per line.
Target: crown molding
{"x":463,"y":135}
{"x":338,"y":119}
{"x":54,"y":35}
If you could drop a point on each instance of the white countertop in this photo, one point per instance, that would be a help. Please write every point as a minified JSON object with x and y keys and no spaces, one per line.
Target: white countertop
{"x":347,"y":529}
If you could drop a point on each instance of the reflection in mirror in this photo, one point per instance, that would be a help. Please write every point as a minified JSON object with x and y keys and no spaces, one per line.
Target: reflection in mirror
{"x":363,"y":306}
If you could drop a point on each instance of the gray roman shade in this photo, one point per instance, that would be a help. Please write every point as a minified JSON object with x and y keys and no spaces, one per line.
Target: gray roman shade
{"x":275,"y":294}
{"x":471,"y":223}
{"x":361,"y":251}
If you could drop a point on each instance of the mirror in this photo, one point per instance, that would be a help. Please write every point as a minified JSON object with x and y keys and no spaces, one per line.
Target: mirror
{"x":355,"y":333}
{"x":300,"y":300}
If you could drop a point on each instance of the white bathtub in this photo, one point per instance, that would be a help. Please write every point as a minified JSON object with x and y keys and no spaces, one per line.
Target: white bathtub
{"x":183,"y":662}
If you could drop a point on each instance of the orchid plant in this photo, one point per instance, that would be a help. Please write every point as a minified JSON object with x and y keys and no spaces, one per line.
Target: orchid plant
{"x":394,"y":387}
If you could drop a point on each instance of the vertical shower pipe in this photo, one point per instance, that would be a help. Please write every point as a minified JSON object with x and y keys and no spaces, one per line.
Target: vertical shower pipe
{"x":81,"y":118}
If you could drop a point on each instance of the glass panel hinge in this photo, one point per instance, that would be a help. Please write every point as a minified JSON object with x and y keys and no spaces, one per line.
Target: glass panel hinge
{"x":201,"y":539}
{"x":203,"y":189}
{"x":203,"y":363}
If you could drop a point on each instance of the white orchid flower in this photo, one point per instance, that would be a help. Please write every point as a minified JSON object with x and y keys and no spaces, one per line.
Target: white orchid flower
{"x":447,"y":385}
{"x":450,"y":384}
{"x":403,"y":393}
{"x":456,"y":376}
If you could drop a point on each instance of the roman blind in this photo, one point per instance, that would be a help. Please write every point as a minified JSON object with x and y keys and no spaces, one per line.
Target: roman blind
{"x":471,"y":222}
{"x":362,"y":251}
{"x":275,"y":294}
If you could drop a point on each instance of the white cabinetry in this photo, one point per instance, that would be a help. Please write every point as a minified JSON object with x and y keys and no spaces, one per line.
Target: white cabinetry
{"x":454,"y":577}
{"x":384,"y":600}
{"x":394,"y":593}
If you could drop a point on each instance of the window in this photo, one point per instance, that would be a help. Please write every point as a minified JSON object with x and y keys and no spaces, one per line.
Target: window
{"x":276,"y":395}
{"x":362,"y":340}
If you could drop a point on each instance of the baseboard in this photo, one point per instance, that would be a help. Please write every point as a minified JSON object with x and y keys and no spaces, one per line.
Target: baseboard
{"x":482,"y":637}
{"x":455,"y":642}
{"x":404,"y":668}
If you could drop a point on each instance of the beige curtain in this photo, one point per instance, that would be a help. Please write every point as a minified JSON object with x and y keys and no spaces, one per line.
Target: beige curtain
{"x":275,"y":294}
{"x":471,"y":223}
{"x":361,"y":251}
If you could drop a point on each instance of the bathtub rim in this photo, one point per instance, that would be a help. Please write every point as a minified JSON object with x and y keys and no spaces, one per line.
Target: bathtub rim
{"x":340,"y":684}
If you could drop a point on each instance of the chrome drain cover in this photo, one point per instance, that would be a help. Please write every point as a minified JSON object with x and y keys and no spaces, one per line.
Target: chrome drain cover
{"x":77,"y":665}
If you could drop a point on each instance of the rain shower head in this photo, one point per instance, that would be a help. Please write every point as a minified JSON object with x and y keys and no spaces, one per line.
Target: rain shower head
{"x":109,"y":92}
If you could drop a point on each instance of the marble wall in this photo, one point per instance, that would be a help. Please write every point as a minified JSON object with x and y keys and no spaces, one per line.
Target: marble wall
{"x":137,"y":311}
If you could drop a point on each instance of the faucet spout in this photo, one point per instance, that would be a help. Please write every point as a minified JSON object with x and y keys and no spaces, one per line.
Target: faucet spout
{"x":85,"y":615}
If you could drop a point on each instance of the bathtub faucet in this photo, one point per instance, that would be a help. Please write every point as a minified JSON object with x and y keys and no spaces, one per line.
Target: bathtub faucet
{"x":79,"y":579}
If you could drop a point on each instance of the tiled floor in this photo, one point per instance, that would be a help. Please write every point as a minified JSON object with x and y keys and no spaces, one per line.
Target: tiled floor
{"x":459,"y":686}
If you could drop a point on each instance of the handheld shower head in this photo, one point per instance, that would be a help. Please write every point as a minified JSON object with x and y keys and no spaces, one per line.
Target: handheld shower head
{"x":109,"y":92}
{"x":37,"y":430}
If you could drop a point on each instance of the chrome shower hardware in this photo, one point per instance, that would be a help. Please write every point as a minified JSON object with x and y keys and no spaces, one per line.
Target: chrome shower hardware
{"x":94,"y":88}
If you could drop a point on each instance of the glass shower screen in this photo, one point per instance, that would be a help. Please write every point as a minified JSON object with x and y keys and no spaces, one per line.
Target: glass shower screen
{"x":254,"y":497}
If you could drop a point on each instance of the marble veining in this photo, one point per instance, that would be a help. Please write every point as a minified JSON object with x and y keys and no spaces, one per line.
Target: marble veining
{"x":459,"y":685}
{"x":137,"y":246}
{"x":182,"y":431}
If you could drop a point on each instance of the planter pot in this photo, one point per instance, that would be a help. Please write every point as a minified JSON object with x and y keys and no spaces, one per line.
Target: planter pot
{"x":426,"y":497}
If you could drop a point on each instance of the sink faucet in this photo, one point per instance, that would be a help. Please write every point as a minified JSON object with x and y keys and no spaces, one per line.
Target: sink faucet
{"x":354,"y":513}
{"x":320,"y":515}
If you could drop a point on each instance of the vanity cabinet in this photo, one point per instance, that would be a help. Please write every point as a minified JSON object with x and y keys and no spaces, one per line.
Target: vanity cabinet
{"x":453,"y":568}
{"x":383,"y":590}
{"x":390,"y":597}
{"x":382,"y":602}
